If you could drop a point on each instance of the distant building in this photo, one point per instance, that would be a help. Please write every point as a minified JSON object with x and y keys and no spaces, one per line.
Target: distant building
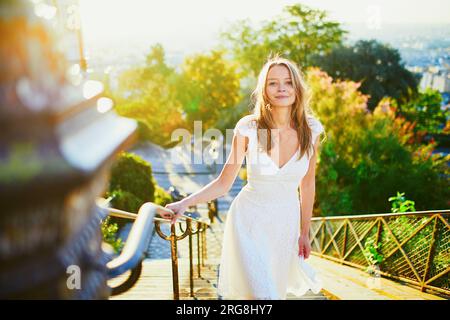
{"x":436,"y":80}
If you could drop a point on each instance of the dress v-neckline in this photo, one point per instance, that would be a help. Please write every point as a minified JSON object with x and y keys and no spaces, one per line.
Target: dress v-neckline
{"x":284,"y":165}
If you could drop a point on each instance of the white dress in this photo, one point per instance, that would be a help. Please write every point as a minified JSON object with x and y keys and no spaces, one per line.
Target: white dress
{"x":259,"y":257}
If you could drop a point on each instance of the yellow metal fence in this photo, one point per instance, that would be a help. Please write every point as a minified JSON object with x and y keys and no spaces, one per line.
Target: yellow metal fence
{"x":413,"y":247}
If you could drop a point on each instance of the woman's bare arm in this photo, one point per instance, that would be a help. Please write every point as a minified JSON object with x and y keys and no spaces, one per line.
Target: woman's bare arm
{"x":307,"y":191}
{"x":216,"y":188}
{"x":222,"y":184}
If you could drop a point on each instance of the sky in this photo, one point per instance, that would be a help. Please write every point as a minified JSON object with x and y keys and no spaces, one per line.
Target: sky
{"x":178,"y":24}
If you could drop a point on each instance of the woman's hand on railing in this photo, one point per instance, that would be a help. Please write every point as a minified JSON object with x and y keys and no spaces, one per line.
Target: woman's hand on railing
{"x":164,"y":213}
{"x":178,"y":208}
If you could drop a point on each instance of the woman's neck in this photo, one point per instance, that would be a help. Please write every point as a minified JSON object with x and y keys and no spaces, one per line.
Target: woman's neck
{"x":281,"y":117}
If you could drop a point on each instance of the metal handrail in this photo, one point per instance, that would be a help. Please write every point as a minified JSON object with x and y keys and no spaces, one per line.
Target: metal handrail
{"x":139,"y":238}
{"x":137,"y":242}
{"x":202,"y":225}
{"x":133,"y":216}
{"x":376,"y":215}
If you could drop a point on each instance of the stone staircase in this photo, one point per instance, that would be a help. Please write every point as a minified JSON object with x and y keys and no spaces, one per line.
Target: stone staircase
{"x":156,"y":279}
{"x":340,"y":281}
{"x":155,"y":282}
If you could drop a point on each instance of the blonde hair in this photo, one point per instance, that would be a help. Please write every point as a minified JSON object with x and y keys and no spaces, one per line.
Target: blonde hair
{"x":299,"y":111}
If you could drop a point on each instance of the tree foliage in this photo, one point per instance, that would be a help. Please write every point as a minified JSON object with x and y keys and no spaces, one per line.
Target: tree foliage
{"x":297,"y":34}
{"x":208,"y":85}
{"x":425,"y":112}
{"x":377,"y":66}
{"x":368,"y":156}
{"x":148,"y":94}
{"x":163,"y":99}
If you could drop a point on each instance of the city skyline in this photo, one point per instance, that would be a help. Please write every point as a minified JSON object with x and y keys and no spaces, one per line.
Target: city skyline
{"x":195,"y":25}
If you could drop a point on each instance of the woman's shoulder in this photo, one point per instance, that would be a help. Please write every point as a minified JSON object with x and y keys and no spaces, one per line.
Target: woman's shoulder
{"x":246,"y":124}
{"x":248,"y":119}
{"x":315,"y":124}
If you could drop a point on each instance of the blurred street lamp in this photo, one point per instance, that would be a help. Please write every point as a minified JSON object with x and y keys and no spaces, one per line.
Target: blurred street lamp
{"x":69,"y":25}
{"x":58,"y":139}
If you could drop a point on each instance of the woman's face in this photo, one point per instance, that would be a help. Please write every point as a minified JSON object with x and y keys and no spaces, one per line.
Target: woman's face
{"x":279,"y":87}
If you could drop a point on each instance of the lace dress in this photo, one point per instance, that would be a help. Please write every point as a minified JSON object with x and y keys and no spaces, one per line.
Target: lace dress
{"x":259,"y":257}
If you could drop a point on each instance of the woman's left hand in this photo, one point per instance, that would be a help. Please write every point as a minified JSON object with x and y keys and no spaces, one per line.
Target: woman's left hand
{"x":304,"y":247}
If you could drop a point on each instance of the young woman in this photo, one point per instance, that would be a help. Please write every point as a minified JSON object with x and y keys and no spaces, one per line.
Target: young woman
{"x":266,"y":236}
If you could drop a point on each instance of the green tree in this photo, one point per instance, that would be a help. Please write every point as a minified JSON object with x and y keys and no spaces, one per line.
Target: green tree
{"x":208,"y":86}
{"x":377,"y":66}
{"x":149,"y":95}
{"x":426,"y":112}
{"x":297,"y":34}
{"x":368,"y":156}
{"x":341,"y":108}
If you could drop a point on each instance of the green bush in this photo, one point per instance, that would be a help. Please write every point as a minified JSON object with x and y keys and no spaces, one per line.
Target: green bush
{"x":131,"y":185}
{"x":372,"y":253}
{"x":133,"y":175}
{"x":109,"y":232}
{"x":125,"y":200}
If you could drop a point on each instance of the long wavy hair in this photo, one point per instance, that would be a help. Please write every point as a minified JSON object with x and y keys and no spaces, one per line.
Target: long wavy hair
{"x":299,"y":111}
